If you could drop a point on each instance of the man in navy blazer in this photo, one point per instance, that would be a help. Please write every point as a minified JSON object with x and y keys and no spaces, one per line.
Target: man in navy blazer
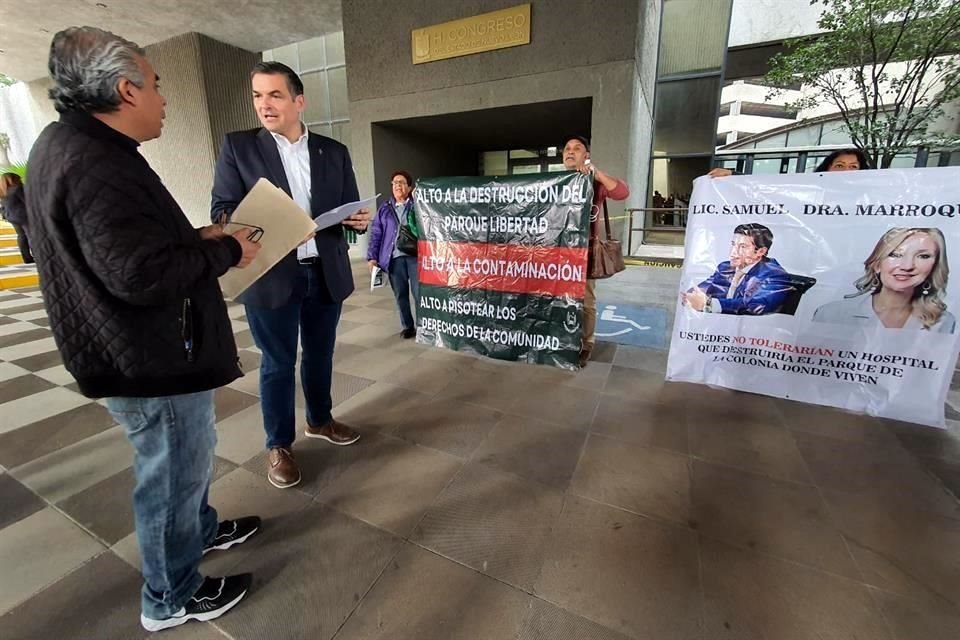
{"x":750,"y":283}
{"x":304,"y":292}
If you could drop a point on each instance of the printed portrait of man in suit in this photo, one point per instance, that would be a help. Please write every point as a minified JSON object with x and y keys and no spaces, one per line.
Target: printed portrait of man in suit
{"x":749,"y":283}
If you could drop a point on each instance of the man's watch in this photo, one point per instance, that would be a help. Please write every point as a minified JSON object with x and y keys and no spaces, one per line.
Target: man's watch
{"x":708,"y":305}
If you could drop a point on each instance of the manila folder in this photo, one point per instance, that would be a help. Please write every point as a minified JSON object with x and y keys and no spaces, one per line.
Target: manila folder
{"x":283,"y":227}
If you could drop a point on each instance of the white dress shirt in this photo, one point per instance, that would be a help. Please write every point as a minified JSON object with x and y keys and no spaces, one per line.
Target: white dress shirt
{"x":295,"y":157}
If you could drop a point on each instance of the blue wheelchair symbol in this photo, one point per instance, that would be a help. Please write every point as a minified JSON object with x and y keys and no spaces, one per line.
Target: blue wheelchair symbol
{"x":638,"y":326}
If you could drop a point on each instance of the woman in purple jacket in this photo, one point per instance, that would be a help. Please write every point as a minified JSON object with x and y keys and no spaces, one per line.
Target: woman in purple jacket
{"x":383,"y":251}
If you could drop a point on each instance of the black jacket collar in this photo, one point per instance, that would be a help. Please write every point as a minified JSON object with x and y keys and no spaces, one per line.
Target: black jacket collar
{"x":98,"y":129}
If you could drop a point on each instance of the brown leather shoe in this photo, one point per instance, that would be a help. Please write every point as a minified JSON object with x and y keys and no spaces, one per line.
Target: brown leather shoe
{"x":282,"y":471}
{"x":584,"y":356}
{"x":333,"y":432}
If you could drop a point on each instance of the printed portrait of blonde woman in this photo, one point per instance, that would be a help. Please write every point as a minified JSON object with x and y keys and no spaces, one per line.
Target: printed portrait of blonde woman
{"x":903,"y":286}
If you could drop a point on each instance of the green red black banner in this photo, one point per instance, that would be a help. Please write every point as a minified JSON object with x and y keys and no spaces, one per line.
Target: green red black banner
{"x":502,"y":265}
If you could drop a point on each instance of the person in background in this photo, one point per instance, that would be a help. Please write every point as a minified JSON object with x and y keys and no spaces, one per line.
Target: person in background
{"x":576,"y":157}
{"x":303,"y":294}
{"x":136,"y":310}
{"x":383,"y":251}
{"x":15,"y":211}
{"x":844,"y":160}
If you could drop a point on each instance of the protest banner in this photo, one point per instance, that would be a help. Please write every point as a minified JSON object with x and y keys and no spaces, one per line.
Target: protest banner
{"x":827,"y":288}
{"x":502,"y":265}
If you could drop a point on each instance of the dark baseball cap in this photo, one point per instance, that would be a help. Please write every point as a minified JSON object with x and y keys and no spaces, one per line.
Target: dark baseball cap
{"x":581,"y":139}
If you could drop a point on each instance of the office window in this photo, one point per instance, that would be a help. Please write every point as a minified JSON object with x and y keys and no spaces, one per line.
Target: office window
{"x":766,"y":166}
{"x":933,"y":159}
{"x":334,"y":49}
{"x":322,"y":129}
{"x":773,"y":142}
{"x":494,"y":163}
{"x":673,"y":178}
{"x":288,"y":55}
{"x":320,"y":64}
{"x":835,"y":133}
{"x":315,"y":95}
{"x":686,"y":119}
{"x":904,"y":161}
{"x":804,"y":137}
{"x":311,"y":54}
{"x":694,"y":35}
{"x":338,"y":93}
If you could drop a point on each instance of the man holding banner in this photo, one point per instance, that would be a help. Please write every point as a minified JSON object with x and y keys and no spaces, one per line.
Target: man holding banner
{"x":503,"y":265}
{"x":576,"y":157}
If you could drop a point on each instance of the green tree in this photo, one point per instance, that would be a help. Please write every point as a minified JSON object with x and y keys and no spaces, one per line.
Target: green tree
{"x":6,"y":80}
{"x":889,"y":67}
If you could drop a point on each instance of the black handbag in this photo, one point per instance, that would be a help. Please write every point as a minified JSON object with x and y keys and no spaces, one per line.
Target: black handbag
{"x":406,"y":241}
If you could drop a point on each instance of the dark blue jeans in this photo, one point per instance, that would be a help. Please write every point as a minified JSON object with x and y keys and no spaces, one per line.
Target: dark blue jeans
{"x":403,"y":280}
{"x":173,"y":438}
{"x":310,"y":313}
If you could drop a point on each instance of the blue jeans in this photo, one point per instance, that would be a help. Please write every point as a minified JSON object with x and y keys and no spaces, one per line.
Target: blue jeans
{"x":310,"y":313}
{"x":173,"y":438}
{"x":403,"y":280}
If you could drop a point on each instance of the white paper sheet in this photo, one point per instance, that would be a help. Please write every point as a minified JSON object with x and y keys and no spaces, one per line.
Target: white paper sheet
{"x":344,"y":211}
{"x":377,"y":278}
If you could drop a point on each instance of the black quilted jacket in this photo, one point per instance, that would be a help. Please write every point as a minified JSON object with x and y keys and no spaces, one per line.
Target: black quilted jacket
{"x":130,"y":287}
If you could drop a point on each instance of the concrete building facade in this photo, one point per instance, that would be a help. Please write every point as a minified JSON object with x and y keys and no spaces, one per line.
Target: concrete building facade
{"x":658,"y":86}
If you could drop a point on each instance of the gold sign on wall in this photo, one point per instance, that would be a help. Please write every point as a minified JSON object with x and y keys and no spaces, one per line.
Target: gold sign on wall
{"x":486,"y":32}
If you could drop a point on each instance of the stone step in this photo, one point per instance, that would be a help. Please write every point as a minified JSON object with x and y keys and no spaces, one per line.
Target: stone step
{"x":18,"y":276}
{"x":10,"y":256}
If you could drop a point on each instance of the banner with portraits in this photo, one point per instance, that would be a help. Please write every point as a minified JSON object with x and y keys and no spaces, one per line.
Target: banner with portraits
{"x":827,"y":288}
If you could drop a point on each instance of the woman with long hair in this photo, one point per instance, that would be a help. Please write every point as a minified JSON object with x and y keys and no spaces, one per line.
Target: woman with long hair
{"x":844,"y":160}
{"x":903,"y":286}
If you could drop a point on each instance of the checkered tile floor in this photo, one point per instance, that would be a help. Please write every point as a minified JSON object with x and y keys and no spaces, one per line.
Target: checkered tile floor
{"x":488,"y":500}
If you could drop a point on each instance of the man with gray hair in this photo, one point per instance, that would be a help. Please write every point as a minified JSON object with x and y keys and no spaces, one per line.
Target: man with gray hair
{"x":134,"y":304}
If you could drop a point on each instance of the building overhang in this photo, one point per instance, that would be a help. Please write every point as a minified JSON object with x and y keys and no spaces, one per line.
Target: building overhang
{"x":255,"y":26}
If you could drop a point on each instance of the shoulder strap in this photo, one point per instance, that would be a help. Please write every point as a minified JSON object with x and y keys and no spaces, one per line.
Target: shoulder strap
{"x":606,"y":220}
